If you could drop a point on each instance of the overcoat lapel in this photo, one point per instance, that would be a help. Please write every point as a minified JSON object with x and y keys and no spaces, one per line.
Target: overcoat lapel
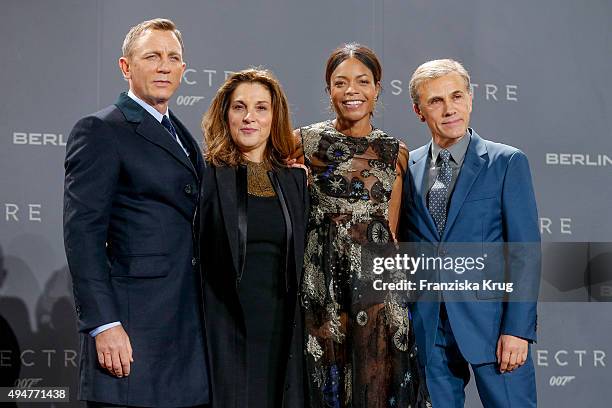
{"x":291,"y":196}
{"x":149,"y":128}
{"x":195,"y":147}
{"x":226,"y":188}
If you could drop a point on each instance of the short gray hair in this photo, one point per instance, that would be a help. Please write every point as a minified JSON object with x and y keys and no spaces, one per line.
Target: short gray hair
{"x":436,"y":69}
{"x":138,"y":30}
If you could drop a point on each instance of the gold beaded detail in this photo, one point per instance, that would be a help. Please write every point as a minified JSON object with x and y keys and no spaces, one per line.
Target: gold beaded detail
{"x":258,"y":181}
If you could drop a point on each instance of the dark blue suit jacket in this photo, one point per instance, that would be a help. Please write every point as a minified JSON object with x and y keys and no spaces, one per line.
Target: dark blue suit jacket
{"x":492,"y":202}
{"x":130,"y":202}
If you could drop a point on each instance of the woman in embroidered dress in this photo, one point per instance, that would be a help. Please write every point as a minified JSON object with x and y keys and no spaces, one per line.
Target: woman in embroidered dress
{"x":360,"y":350}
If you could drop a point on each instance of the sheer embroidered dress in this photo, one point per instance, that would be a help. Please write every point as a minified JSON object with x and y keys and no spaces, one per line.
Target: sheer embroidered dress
{"x":360,"y":348}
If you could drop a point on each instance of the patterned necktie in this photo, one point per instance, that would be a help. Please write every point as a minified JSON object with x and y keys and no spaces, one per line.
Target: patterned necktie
{"x":438,"y":192}
{"x":168,"y":125}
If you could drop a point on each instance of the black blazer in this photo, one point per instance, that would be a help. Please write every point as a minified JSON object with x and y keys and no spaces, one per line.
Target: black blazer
{"x":130,"y":199}
{"x":222,"y":247}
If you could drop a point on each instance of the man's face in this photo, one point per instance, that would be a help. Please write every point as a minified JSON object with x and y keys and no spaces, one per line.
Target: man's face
{"x":445,"y":104}
{"x":155,"y":67}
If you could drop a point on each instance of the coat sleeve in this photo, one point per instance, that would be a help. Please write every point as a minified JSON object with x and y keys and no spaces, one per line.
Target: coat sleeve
{"x":521,"y":232}
{"x":92,"y":169}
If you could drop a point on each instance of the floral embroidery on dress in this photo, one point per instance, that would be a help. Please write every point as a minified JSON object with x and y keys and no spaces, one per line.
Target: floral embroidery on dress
{"x":360,"y":348}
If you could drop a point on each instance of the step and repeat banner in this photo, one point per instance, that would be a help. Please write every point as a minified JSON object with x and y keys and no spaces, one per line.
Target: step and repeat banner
{"x":541,"y":76}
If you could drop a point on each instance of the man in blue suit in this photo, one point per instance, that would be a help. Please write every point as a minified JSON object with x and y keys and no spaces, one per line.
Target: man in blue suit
{"x":130,"y":200}
{"x":462,"y":188}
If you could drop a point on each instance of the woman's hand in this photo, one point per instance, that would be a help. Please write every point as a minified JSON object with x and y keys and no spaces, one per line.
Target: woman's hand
{"x":296,"y":164}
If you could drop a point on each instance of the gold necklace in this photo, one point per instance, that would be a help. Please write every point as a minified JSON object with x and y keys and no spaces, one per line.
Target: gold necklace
{"x":258,"y":181}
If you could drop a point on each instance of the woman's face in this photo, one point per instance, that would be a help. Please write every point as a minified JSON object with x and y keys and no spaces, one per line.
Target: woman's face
{"x":250,"y":119}
{"x":353,"y":91}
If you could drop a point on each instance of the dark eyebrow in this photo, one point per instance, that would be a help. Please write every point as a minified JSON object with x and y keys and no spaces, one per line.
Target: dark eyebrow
{"x":343,"y":77}
{"x":243,"y":103}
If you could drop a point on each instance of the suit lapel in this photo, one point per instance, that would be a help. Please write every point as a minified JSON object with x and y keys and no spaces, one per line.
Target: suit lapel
{"x":419,"y":170}
{"x":226,"y":188}
{"x":472,"y":165}
{"x":149,"y":128}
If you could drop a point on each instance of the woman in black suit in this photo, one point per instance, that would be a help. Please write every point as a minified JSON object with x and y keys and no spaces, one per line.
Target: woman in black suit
{"x":252,"y":217}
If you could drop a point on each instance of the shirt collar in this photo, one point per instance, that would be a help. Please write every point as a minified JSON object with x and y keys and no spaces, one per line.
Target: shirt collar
{"x":158,"y":116}
{"x":457,"y":150}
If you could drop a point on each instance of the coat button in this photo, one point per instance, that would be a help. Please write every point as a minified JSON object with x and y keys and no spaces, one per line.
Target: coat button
{"x":194,"y":261}
{"x":188,"y":189}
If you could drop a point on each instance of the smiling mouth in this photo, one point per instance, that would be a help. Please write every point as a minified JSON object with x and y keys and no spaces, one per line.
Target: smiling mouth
{"x":452,"y":122}
{"x":353,"y":103}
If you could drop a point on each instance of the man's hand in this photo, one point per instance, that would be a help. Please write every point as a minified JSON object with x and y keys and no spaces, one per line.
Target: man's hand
{"x":511,"y":352}
{"x":114,"y":351}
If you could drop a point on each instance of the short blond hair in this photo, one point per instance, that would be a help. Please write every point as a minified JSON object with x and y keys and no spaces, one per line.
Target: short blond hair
{"x":138,"y":30}
{"x":436,"y":69}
